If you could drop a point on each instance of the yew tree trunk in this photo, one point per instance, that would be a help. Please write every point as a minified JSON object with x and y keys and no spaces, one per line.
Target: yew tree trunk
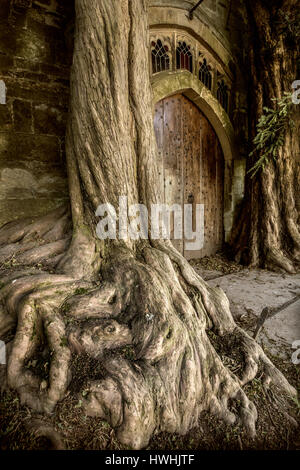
{"x":267,"y":233}
{"x":107,"y":295}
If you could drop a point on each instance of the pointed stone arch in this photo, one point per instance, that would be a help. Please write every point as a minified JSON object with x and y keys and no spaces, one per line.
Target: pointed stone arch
{"x":168,"y":83}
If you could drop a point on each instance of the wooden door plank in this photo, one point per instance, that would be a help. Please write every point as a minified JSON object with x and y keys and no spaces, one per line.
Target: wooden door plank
{"x":191,"y":163}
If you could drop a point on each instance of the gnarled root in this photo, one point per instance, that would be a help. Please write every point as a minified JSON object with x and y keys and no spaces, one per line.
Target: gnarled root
{"x":176,"y":373}
{"x":30,"y":242}
{"x":40,"y":428}
{"x":39,"y":326}
{"x":155,"y":303}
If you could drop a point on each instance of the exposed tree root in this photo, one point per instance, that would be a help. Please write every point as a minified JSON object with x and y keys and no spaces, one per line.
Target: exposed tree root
{"x":41,"y":429}
{"x":154,"y":301}
{"x":30,"y":243}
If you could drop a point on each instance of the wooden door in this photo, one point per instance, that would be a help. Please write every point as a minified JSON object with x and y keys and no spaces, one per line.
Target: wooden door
{"x":191,"y":167}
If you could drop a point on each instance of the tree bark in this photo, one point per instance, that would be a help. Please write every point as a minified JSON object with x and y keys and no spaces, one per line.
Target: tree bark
{"x":267,"y":230}
{"x":109,"y":294}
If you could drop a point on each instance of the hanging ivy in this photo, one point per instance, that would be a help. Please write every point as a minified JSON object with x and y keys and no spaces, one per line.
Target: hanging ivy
{"x":271,"y":129}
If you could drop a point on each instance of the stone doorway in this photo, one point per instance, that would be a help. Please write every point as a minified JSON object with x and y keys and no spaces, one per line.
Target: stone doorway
{"x":191,"y":167}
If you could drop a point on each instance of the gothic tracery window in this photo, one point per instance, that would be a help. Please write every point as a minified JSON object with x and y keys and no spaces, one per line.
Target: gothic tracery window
{"x":160,"y":56}
{"x":184,"y":56}
{"x":205,"y":74}
{"x":222,"y":94}
{"x":171,"y":51}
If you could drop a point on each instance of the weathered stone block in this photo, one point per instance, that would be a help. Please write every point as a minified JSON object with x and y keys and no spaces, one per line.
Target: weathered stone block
{"x":238,"y":187}
{"x":8,"y":40}
{"x":56,"y":71}
{"x":30,"y":148}
{"x":19,"y":182}
{"x":14,"y":209}
{"x":36,"y":77}
{"x":29,"y":90}
{"x":6,"y":122}
{"x":240,"y":168}
{"x":22,"y":115}
{"x":6,"y":64}
{"x":33,"y":46}
{"x":49,"y":120}
{"x":23,"y":64}
{"x":47,"y":149}
{"x":4,"y":9}
{"x":21,"y":4}
{"x":62,"y":56}
{"x":17,"y":18}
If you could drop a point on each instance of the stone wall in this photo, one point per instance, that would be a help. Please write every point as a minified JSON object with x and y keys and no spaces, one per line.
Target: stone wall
{"x":34,"y":67}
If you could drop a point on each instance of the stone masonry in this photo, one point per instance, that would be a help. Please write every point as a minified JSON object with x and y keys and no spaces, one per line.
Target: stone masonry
{"x":34,"y":68}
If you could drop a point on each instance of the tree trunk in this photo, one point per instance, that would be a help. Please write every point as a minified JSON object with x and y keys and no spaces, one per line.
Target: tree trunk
{"x":109,"y":294}
{"x":267,"y":230}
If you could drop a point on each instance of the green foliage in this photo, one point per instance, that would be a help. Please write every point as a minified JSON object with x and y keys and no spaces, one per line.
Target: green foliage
{"x":271,"y":129}
{"x":65,"y":308}
{"x":297,"y":403}
{"x":80,"y":291}
{"x":34,"y":332}
{"x":63,"y":341}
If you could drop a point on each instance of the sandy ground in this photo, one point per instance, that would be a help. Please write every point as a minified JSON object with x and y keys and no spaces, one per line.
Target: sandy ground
{"x":249,"y":291}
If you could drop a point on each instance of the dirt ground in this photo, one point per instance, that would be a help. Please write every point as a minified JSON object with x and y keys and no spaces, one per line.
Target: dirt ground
{"x":249,"y":291}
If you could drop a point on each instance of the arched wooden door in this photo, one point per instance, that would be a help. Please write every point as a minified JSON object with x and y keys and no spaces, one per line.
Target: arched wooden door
{"x":191,"y":167}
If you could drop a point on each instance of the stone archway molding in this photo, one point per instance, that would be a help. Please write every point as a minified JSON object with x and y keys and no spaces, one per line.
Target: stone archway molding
{"x":166,"y":84}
